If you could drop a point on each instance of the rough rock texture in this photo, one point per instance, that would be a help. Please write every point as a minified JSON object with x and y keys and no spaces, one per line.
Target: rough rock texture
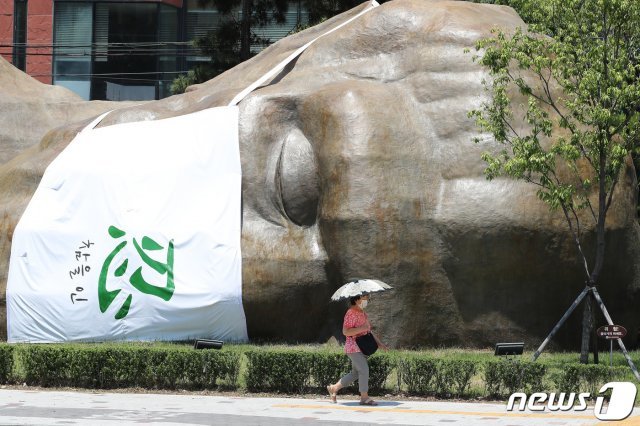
{"x":358,"y":162}
{"x":29,"y":109}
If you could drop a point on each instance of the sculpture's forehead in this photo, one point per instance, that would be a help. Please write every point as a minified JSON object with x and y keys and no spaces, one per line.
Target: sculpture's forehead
{"x":389,"y":43}
{"x":418,"y":45}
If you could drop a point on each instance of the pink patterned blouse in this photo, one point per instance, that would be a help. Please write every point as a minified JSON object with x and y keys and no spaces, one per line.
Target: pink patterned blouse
{"x":354,"y":318}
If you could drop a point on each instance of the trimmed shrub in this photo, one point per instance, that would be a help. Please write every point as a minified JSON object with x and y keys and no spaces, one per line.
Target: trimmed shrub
{"x":513,"y":376}
{"x":6,"y":363}
{"x":567,"y":379}
{"x":328,"y":367}
{"x":168,"y":368}
{"x":180,"y":368}
{"x":107,"y":367}
{"x":453,"y":376}
{"x":380,"y":366}
{"x":286,"y":371}
{"x":586,"y":377}
{"x":532,"y":376}
{"x":223,"y":365}
{"x":617,"y":374}
{"x":492,"y":381}
{"x":418,"y":373}
{"x":593,"y":376}
{"x":87,"y":366}
{"x":46,"y":365}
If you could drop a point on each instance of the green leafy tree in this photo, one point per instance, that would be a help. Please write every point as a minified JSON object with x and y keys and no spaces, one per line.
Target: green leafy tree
{"x":576,"y":70}
{"x":321,"y":10}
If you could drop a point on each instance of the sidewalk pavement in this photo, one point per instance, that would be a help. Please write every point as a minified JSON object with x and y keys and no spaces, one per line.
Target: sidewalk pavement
{"x":42,"y":407}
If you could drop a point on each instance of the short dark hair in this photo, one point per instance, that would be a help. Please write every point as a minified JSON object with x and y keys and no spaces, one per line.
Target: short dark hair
{"x":354,"y":299}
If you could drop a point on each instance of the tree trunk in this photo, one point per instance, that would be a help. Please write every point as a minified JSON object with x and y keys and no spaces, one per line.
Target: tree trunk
{"x":587,"y":327}
{"x":245,"y":30}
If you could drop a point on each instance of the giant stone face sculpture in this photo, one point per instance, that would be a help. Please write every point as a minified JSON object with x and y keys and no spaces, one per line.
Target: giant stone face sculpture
{"x":358,"y":162}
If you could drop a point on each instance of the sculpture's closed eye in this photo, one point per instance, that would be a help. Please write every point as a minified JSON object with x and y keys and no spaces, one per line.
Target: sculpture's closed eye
{"x":297,"y":179}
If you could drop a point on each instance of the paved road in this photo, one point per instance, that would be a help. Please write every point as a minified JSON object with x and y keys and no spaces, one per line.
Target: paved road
{"x":36,"y":407}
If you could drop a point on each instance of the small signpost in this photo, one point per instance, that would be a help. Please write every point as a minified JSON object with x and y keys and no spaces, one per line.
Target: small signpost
{"x":611,"y":333}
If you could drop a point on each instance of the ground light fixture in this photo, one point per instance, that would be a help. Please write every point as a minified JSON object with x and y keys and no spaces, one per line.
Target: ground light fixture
{"x":509,"y":349}
{"x":207,"y":344}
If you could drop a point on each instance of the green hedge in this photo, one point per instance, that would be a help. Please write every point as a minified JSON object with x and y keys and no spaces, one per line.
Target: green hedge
{"x":586,"y":377}
{"x":285,"y":370}
{"x":425,"y":375}
{"x":6,"y":363}
{"x":46,"y":365}
{"x":278,"y":370}
{"x":328,"y":367}
{"x":380,"y":366}
{"x":508,"y":376}
{"x":418,"y":373}
{"x":454,"y":376}
{"x":106,"y":367}
{"x":295,"y":371}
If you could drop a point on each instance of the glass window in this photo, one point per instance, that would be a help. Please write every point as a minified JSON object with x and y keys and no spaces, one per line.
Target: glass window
{"x":125,"y":66}
{"x":72,"y":32}
{"x":168,"y":35}
{"x":202,"y":18}
{"x":20,"y":34}
{"x":116,"y":50}
{"x":295,"y":17}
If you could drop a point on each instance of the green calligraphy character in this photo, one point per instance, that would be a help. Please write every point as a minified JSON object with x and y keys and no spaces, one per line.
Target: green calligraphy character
{"x":165,"y":292}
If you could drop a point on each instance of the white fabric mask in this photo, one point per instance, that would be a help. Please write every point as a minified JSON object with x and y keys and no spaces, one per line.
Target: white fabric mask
{"x":363,"y":304}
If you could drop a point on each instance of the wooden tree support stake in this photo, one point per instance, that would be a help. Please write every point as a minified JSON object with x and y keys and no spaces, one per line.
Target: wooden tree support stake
{"x":573,"y":306}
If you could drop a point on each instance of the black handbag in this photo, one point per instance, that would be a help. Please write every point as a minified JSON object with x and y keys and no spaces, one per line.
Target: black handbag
{"x":367,"y":344}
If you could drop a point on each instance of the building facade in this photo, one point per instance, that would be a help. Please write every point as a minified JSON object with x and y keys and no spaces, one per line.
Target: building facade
{"x":115,"y":50}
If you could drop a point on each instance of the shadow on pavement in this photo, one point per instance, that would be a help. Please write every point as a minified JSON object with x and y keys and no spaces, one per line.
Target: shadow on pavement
{"x":380,"y":404}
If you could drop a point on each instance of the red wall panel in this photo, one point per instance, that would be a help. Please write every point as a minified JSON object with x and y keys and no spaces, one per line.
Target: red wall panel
{"x":40,"y":7}
{"x":6,"y":28}
{"x":40,"y":39}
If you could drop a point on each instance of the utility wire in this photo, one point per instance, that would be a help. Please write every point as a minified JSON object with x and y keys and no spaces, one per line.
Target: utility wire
{"x":100,"y":55}
{"x":108,"y":74}
{"x":133,"y":44}
{"x":149,"y":80}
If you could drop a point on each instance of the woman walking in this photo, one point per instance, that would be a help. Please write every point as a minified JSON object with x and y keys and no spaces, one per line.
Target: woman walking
{"x":356,"y":323}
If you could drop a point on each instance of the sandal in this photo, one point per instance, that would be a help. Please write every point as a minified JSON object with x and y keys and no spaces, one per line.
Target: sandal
{"x":368,"y":401}
{"x":332,"y":395}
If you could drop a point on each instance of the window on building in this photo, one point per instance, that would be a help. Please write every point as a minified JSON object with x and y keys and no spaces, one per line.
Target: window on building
{"x":115,"y":50}
{"x":20,"y":34}
{"x":128,"y":68}
{"x":133,"y":50}
{"x":203,"y":18}
{"x":295,"y":17}
{"x":72,"y":32}
{"x":168,"y":35}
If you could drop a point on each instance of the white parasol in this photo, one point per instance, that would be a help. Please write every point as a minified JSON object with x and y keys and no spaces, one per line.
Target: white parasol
{"x":358,"y":288}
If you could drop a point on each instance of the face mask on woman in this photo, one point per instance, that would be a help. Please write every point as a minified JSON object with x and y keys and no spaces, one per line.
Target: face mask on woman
{"x":363,"y":303}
